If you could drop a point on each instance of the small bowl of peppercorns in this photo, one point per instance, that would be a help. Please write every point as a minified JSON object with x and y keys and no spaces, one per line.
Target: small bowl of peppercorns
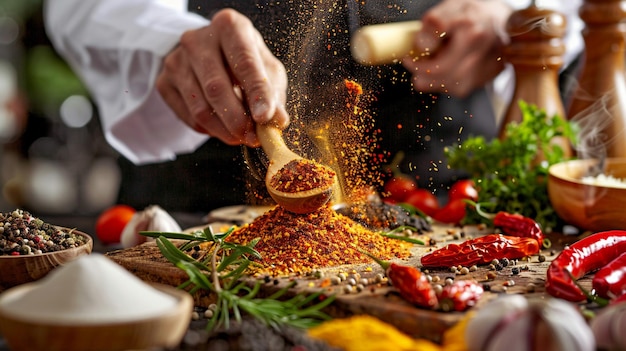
{"x":31,"y":248}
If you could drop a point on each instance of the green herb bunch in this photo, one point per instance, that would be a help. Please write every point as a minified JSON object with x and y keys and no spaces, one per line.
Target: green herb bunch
{"x":506,"y":170}
{"x":222,"y":271}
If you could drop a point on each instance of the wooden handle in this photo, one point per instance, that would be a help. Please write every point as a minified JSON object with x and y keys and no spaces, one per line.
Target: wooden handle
{"x":271,"y":139}
{"x":380,"y":44}
{"x":273,"y":144}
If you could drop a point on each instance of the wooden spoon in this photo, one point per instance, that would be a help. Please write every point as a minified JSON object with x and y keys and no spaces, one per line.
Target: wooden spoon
{"x":279,"y":155}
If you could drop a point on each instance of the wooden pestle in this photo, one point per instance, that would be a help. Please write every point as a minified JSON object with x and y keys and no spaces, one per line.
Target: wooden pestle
{"x":386,"y":43}
{"x":599,"y":101}
{"x":536,"y":53}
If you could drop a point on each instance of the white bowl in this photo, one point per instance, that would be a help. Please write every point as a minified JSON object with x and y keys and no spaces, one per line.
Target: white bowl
{"x":165,"y":330}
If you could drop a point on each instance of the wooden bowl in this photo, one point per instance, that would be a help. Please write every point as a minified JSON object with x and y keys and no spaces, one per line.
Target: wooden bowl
{"x":18,"y":270}
{"x":586,"y":206}
{"x":166,"y":330}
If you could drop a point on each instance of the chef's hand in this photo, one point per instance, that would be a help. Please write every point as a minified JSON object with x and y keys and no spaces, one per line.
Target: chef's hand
{"x":464,"y":39}
{"x":222,"y":79}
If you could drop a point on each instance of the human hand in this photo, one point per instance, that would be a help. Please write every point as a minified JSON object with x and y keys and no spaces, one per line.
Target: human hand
{"x":222,"y":79}
{"x":461,"y":43}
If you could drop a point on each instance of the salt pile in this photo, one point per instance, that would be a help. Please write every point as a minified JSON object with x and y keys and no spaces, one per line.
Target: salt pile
{"x":605,"y":180}
{"x":89,"y":290}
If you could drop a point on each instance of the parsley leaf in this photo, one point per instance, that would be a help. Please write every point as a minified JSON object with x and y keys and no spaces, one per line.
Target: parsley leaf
{"x":508,"y":172}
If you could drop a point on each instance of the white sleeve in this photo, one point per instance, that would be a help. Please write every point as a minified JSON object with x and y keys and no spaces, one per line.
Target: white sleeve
{"x":117,"y":47}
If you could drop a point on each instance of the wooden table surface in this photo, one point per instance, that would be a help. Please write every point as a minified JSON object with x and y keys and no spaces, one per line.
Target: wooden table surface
{"x":379,"y":300}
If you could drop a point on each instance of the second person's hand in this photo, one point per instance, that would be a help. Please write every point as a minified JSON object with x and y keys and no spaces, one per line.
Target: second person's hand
{"x":222,"y":79}
{"x":465,"y":39}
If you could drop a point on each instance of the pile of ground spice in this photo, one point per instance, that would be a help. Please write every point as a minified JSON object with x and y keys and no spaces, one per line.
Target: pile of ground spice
{"x":300,"y":243}
{"x":302,"y":175}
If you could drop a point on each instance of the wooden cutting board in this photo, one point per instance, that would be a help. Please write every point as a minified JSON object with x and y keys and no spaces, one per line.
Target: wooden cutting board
{"x":377,"y":299}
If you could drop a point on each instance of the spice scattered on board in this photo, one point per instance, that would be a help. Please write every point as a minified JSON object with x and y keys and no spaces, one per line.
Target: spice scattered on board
{"x":299,"y":243}
{"x":302,"y":175}
{"x":23,"y":234}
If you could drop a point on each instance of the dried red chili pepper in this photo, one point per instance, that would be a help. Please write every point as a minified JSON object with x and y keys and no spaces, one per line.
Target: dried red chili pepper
{"x":610,"y":280}
{"x":460,"y":295}
{"x":580,"y":258}
{"x":411,"y":283}
{"x":481,"y":250}
{"x":518,"y":225}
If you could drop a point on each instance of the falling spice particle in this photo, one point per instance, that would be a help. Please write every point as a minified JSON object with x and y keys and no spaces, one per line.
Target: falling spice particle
{"x":353,"y":87}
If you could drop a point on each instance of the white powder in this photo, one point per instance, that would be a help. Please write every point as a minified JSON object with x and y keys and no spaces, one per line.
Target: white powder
{"x":89,"y":290}
{"x":605,"y":180}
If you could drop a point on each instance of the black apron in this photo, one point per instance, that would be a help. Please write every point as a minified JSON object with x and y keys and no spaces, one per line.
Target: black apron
{"x":216,"y":175}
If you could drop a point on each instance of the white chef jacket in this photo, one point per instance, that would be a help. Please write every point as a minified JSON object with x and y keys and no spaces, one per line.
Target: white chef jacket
{"x":117,"y":47}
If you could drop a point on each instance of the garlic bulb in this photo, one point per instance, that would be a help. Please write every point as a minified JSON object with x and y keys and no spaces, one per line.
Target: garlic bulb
{"x":152,"y":218}
{"x":609,"y":326}
{"x":515,"y":323}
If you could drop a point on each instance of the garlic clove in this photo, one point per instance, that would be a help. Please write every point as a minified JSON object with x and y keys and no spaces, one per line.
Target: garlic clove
{"x":493,"y":316}
{"x":571,"y":330}
{"x":130,"y":235}
{"x":152,"y":218}
{"x":608,"y":327}
{"x":568,"y":328}
{"x":507,"y":322}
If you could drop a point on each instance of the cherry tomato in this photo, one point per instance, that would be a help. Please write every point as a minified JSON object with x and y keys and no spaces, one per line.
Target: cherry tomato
{"x":463,"y":189}
{"x":424,"y":201}
{"x":399,"y":187}
{"x":453,"y":212}
{"x":111,"y":223}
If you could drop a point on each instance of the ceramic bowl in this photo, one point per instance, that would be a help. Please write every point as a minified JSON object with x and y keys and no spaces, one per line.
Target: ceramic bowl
{"x":18,"y":270}
{"x":163,"y":331}
{"x":590,"y":207}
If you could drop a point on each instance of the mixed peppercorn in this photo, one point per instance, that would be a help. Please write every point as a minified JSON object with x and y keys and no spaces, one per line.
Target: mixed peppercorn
{"x":23,"y":234}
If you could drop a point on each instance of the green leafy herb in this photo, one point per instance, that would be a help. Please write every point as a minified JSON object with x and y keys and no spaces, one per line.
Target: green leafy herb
{"x":507,"y":172}
{"x":222,"y":272}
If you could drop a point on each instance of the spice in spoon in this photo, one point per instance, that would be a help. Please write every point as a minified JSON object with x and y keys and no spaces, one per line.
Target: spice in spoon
{"x":302,"y":175}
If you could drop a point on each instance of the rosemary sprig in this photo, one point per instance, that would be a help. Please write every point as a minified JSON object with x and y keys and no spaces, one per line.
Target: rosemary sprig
{"x":222,"y":272}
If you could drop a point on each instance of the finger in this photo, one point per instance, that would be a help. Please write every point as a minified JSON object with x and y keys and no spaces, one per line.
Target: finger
{"x":278,"y":83}
{"x":281,"y":117}
{"x":231,"y":128}
{"x":214,"y":81}
{"x":247,"y":65}
{"x":431,"y":36}
{"x":189,"y":90}
{"x":182,"y":92}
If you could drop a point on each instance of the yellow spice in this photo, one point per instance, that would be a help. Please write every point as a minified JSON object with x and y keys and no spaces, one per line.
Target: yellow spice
{"x":367,"y":333}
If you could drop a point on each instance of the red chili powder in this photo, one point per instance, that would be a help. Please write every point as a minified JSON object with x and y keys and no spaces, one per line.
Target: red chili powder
{"x":353,"y":87}
{"x":294,"y":244}
{"x":302,"y":175}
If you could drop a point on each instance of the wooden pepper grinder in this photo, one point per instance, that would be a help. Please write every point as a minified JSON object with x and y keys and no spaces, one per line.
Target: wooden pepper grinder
{"x":536,"y":51}
{"x":599,"y":101}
